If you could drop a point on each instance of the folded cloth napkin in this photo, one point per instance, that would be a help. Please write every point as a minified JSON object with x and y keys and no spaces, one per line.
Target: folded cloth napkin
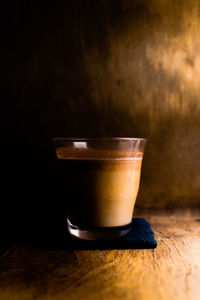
{"x":141,"y":236}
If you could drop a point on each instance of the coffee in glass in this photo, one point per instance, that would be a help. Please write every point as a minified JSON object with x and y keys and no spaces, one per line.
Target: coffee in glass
{"x":103,"y":177}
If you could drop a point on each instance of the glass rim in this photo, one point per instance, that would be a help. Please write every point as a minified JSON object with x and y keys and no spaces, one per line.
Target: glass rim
{"x":74,"y":139}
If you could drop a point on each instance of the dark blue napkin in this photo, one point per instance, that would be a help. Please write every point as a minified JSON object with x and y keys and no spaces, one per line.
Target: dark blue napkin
{"x":141,"y":236}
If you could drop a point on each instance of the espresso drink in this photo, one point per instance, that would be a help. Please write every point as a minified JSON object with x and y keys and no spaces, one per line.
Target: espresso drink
{"x":101,"y":187}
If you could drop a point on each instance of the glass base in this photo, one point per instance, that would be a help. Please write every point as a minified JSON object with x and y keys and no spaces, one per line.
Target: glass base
{"x":98,"y":233}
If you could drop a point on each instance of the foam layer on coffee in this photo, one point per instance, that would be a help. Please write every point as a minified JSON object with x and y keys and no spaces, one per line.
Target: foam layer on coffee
{"x":96,"y":154}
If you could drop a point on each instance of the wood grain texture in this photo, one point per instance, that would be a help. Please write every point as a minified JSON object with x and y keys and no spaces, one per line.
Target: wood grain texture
{"x":171,"y":271}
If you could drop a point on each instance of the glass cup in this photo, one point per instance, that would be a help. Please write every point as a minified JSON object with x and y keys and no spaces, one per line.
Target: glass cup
{"x":102,"y":181}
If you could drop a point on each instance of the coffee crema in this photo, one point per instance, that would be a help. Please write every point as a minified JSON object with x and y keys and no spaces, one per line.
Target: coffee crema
{"x":93,"y":154}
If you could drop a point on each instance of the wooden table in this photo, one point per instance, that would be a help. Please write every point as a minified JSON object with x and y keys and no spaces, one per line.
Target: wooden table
{"x":171,"y":271}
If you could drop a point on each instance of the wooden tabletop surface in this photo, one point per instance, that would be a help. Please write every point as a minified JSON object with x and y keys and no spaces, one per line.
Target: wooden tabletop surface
{"x":171,"y":271}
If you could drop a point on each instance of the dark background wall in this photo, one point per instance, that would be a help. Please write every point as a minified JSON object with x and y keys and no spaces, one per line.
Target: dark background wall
{"x":100,"y":68}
